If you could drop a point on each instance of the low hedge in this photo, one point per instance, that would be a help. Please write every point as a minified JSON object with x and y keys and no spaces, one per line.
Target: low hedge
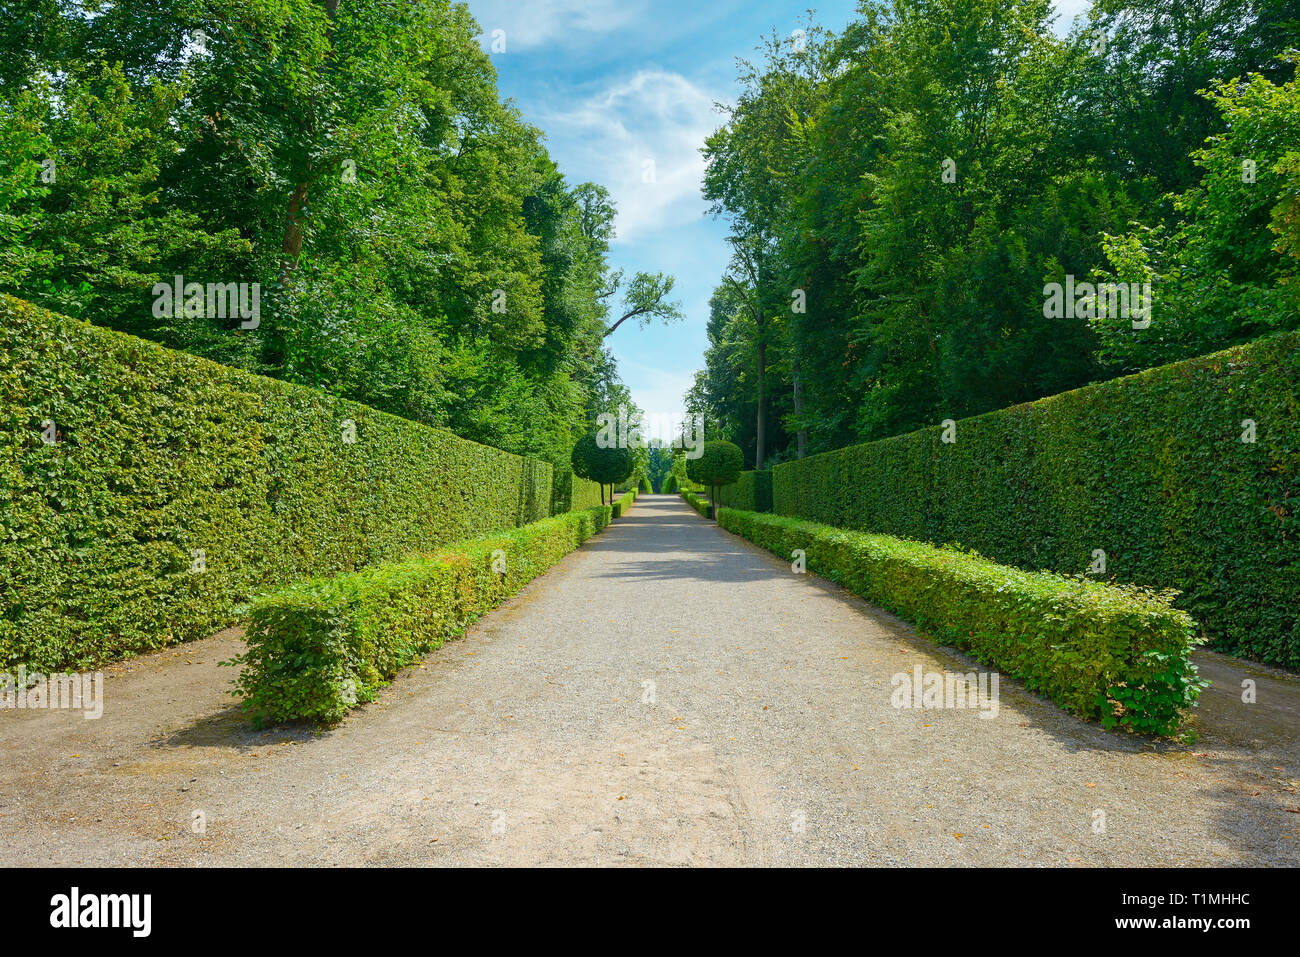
{"x":624,"y":502}
{"x":752,"y":492}
{"x":320,"y":647}
{"x":1151,"y":469}
{"x":1119,"y":654}
{"x":162,"y":459}
{"x":698,"y":502}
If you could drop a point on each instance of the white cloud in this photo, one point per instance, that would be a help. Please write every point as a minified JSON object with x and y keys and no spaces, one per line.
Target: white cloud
{"x":656,"y":117}
{"x":533,"y":23}
{"x":658,"y":392}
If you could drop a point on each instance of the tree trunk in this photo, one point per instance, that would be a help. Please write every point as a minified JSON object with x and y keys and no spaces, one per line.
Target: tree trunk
{"x":291,"y":244}
{"x":801,"y":435}
{"x":760,"y":451}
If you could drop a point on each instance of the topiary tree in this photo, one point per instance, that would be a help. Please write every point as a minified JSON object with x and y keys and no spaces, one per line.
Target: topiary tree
{"x":670,"y":483}
{"x":599,"y":464}
{"x":719,"y":465}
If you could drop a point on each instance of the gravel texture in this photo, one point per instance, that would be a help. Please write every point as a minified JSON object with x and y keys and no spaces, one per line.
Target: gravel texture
{"x":770,"y":739}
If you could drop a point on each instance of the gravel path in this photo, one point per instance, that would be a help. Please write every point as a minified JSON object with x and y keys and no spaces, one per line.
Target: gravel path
{"x":668,"y":694}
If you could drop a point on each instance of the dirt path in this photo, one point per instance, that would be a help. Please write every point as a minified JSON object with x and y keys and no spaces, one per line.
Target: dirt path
{"x":770,"y":739}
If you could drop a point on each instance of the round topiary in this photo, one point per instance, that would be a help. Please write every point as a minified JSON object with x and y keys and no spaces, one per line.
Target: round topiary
{"x":669,"y":484}
{"x":718,"y":465}
{"x":600,"y":464}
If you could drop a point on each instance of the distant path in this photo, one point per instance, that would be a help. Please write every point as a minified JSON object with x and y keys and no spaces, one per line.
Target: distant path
{"x":771,"y":710}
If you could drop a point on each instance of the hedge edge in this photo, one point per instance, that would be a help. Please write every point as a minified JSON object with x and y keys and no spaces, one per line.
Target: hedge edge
{"x":1183,"y":476}
{"x":625,"y":502}
{"x":177,"y":487}
{"x":1117,"y":654}
{"x":698,"y":502}
{"x":320,"y":647}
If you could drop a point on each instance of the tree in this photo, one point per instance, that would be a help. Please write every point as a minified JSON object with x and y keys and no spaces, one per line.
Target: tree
{"x":1158,"y":59}
{"x":914,"y":185}
{"x":750,"y":174}
{"x":605,"y":464}
{"x":659,"y":465}
{"x":415,"y":247}
{"x":720,"y":465}
{"x":645,"y":299}
{"x":1228,"y":272}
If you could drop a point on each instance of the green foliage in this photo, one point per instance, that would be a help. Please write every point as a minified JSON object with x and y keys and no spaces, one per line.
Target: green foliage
{"x":1118,"y":654}
{"x":1222,"y":275}
{"x":752,"y":492}
{"x":320,"y":647}
{"x":160,"y":455}
{"x":604,"y":464}
{"x":572,"y":493}
{"x":645,"y":299}
{"x":899,"y":195}
{"x":720,"y":464}
{"x":1152,"y":469}
{"x":93,"y":240}
{"x":416,"y":248}
{"x":659,"y":465}
{"x":696,"y":501}
{"x":670,"y":484}
{"x":624,"y":503}
{"x":1159,"y":60}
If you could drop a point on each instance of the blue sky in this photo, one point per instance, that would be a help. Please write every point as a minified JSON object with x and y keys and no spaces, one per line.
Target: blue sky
{"x":614,"y":83}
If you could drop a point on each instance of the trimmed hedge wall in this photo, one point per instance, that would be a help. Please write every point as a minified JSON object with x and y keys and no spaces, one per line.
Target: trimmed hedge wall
{"x":752,"y":492}
{"x":698,"y":502}
{"x":160,"y":455}
{"x":1114,"y":653}
{"x":320,"y":647}
{"x":624,"y":502}
{"x":572,"y":493}
{"x":1150,"y":468}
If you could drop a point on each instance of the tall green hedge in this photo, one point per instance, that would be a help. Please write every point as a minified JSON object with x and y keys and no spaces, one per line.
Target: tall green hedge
{"x":573,"y":493}
{"x":751,"y":492}
{"x":1151,"y":469}
{"x":160,"y":455}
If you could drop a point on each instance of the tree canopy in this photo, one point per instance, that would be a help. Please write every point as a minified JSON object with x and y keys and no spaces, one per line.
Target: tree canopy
{"x":720,"y":464}
{"x":900,"y":197}
{"x":415,"y":246}
{"x":606,"y":464}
